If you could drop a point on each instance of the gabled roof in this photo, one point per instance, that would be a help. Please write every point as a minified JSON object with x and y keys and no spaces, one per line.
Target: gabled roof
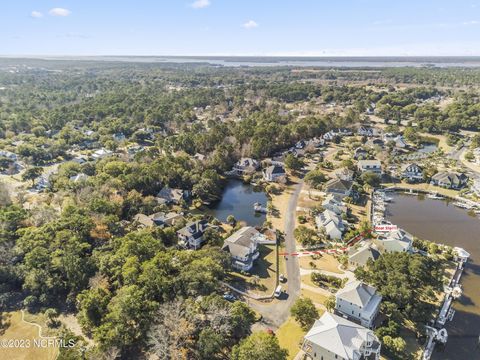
{"x":241,"y":241}
{"x":363,"y":163}
{"x":357,"y":293}
{"x":275,"y":170}
{"x":338,"y":184}
{"x":450,"y":177}
{"x":338,"y":335}
{"x":363,"y":253}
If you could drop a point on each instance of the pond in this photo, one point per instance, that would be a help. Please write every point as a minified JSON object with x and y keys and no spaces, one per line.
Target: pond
{"x":428,"y":148}
{"x":237,"y":200}
{"x":444,"y":223}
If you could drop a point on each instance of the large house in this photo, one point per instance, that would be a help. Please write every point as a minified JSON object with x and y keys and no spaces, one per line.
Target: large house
{"x":359,"y":302}
{"x":344,"y":173}
{"x":395,"y":241}
{"x":101,"y":153}
{"x":242,"y":246}
{"x":331,"y":223}
{"x":332,"y":203}
{"x":333,"y":338}
{"x":166,"y":219}
{"x":171,"y":195}
{"x":398,"y":140}
{"x":374,"y":166}
{"x":191,"y":236}
{"x":367,"y":131}
{"x":338,"y":187}
{"x":360,"y":256}
{"x":360,"y":153}
{"x":246,"y":166}
{"x":275,"y":173}
{"x":412,"y":172}
{"x":450,"y":179}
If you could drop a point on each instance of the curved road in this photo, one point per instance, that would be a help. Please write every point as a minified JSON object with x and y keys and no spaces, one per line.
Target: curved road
{"x":274,"y":315}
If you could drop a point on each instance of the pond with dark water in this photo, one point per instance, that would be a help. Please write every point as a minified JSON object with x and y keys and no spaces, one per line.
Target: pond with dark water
{"x":237,"y":200}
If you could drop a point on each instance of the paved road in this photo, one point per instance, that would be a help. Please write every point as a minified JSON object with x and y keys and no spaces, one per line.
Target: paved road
{"x":275,"y":314}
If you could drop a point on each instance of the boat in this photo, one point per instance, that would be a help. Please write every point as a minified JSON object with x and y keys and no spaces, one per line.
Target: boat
{"x":259,"y":208}
{"x":462,"y":205}
{"x":387,"y":199}
{"x":435,"y":196}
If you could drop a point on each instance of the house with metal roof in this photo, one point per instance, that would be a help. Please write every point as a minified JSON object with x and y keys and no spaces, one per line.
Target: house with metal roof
{"x":359,"y":302}
{"x":360,"y":256}
{"x":242,"y":246}
{"x":332,"y":338}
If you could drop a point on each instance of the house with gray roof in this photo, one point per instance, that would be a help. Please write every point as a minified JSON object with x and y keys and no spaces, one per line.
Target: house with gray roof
{"x":344,"y":173}
{"x":359,"y":256}
{"x":331,"y":223}
{"x":395,"y":241}
{"x":275,"y":173}
{"x":191,"y":236}
{"x":333,"y":338}
{"x":332,"y":203}
{"x":338,"y":187}
{"x":242,"y":246}
{"x":450,"y":179}
{"x":359,"y":302}
{"x":246,"y":166}
{"x":171,"y":195}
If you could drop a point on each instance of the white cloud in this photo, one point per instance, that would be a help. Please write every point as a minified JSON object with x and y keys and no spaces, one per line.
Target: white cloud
{"x":471,"y":22}
{"x":59,"y":12}
{"x":250,"y":24}
{"x":36,"y":14}
{"x":200,"y":4}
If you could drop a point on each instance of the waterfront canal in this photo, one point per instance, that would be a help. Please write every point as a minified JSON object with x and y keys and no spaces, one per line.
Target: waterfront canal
{"x":442,"y":222}
{"x":237,"y":200}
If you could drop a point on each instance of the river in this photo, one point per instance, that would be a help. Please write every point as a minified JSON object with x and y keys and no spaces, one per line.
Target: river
{"x":441,"y":222}
{"x":237,"y":200}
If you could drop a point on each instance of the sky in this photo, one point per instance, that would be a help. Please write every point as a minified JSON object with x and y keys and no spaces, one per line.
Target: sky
{"x":240,"y":27}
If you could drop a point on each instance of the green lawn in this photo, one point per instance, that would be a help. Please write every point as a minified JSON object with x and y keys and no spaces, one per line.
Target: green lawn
{"x":290,"y":336}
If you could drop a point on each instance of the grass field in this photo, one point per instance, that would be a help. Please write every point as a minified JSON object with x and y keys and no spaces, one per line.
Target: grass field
{"x":264,"y":276}
{"x":314,"y":296}
{"x":17,"y":329}
{"x":290,"y":336}
{"x":326,"y":262}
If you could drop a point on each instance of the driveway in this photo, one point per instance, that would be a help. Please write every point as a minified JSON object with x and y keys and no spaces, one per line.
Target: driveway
{"x":277,"y":312}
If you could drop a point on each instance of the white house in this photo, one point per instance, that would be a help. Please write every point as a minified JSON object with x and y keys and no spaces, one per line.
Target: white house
{"x":333,"y":204}
{"x":275,"y":173}
{"x":334,"y":338}
{"x":242,"y":246}
{"x":359,"y":302}
{"x":374,"y":166}
{"x":412,"y":172}
{"x":331,"y":223}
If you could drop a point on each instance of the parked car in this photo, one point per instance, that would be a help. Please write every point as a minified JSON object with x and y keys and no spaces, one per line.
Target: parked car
{"x":229,"y":297}
{"x":278,"y":291}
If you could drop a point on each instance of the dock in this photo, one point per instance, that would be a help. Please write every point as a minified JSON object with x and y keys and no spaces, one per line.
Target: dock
{"x":437,"y":333}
